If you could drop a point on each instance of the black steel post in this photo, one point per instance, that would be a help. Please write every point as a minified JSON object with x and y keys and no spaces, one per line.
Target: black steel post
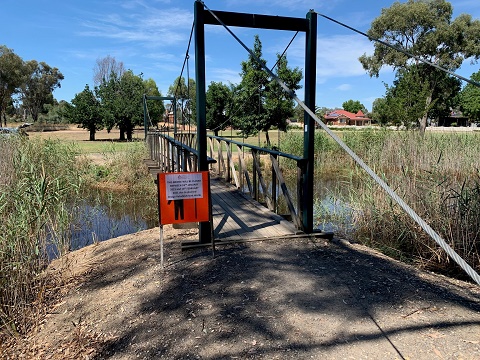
{"x":309,"y":123}
{"x":205,"y":228}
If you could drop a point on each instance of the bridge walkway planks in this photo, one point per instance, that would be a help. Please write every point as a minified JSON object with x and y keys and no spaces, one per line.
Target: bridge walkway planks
{"x":236,"y":217}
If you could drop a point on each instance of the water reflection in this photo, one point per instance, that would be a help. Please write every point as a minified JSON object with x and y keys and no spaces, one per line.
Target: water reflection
{"x":103,"y":215}
{"x":331,"y":211}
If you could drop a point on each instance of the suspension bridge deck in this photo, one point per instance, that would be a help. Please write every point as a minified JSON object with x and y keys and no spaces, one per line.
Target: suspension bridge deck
{"x":236,"y":217}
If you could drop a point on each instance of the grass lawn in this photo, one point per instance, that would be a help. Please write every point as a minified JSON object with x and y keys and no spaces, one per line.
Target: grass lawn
{"x":105,"y":142}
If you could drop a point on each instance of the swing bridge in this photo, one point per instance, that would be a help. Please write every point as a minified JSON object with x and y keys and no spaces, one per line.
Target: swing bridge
{"x":247,"y":182}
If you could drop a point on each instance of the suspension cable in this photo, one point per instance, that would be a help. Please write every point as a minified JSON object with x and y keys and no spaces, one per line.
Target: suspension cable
{"x":189,"y":113}
{"x":401,"y":50}
{"x":185,"y":62}
{"x":148,"y":114}
{"x":186,"y":56}
{"x":427,"y":228}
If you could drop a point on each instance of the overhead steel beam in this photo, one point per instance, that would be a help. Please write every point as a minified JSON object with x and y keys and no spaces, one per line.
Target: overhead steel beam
{"x":257,"y":21}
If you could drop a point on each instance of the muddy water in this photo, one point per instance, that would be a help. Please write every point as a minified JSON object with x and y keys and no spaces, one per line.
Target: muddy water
{"x":103,"y":215}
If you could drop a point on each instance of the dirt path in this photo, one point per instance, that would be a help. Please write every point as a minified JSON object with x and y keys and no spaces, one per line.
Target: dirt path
{"x":263,"y":300}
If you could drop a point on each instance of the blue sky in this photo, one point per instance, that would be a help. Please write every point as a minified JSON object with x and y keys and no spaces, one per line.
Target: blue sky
{"x":151,"y":37}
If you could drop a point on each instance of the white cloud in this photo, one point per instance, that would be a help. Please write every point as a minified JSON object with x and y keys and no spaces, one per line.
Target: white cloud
{"x":146,"y":25}
{"x":344,"y":87}
{"x":337,"y":56}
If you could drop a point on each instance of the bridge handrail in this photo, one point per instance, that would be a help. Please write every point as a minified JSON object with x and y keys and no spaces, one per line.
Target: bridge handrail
{"x":228,"y":171}
{"x":181,"y":145}
{"x":258,"y":148}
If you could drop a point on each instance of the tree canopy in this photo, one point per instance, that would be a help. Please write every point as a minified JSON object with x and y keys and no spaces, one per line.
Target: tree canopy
{"x":156,"y":109}
{"x":185,"y":95}
{"x":262,"y":101}
{"x":423,"y":28}
{"x":279,"y":105}
{"x":30,"y":83}
{"x":86,"y":111}
{"x":470,"y":99}
{"x":251,"y":95}
{"x":219,"y":106}
{"x":353,"y":106}
{"x":105,"y":67}
{"x":12,"y":73}
{"x":121,"y":98}
{"x":37,"y":89}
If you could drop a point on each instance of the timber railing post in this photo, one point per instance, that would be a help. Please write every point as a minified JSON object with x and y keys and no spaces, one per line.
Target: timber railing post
{"x":256,"y":165}
{"x":274,"y":183}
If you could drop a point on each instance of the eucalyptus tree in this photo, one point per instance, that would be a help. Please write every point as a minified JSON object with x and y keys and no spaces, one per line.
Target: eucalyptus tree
{"x":12,"y":73}
{"x":38,"y":86}
{"x":470,"y":99}
{"x":425,"y":29}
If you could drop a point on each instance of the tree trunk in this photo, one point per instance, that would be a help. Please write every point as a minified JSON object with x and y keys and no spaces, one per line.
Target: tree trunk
{"x":122,"y":133}
{"x":423,"y":119}
{"x":267,"y":137}
{"x":92,"y":135}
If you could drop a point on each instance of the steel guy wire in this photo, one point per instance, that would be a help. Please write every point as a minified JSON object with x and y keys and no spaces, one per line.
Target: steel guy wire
{"x":401,"y":50}
{"x":433,"y":234}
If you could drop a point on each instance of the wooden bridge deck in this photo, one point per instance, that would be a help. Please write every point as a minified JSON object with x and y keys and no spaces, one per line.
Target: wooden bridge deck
{"x":236,"y":217}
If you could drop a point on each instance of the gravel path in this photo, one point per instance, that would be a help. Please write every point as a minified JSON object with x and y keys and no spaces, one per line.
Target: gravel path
{"x":296,"y":299}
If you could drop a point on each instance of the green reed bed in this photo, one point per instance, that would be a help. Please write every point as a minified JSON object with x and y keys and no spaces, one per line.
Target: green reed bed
{"x":38,"y":179}
{"x":437,"y":175}
{"x":41,"y":181}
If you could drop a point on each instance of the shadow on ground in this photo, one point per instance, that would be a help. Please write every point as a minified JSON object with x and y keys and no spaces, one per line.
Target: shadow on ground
{"x":287,"y":299}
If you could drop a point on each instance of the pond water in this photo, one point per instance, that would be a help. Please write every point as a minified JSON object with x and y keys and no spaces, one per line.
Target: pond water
{"x":103,"y":215}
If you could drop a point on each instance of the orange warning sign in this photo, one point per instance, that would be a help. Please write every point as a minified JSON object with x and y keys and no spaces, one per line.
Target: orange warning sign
{"x":183,"y":197}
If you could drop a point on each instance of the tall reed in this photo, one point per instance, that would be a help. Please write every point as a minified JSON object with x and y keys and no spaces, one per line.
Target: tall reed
{"x":40,"y":178}
{"x":437,"y":175}
{"x":123,"y":170}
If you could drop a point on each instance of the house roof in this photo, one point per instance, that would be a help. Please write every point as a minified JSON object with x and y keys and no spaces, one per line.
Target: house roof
{"x":343,"y":113}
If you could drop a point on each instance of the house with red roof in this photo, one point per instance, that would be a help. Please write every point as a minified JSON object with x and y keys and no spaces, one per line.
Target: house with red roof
{"x":343,"y":117}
